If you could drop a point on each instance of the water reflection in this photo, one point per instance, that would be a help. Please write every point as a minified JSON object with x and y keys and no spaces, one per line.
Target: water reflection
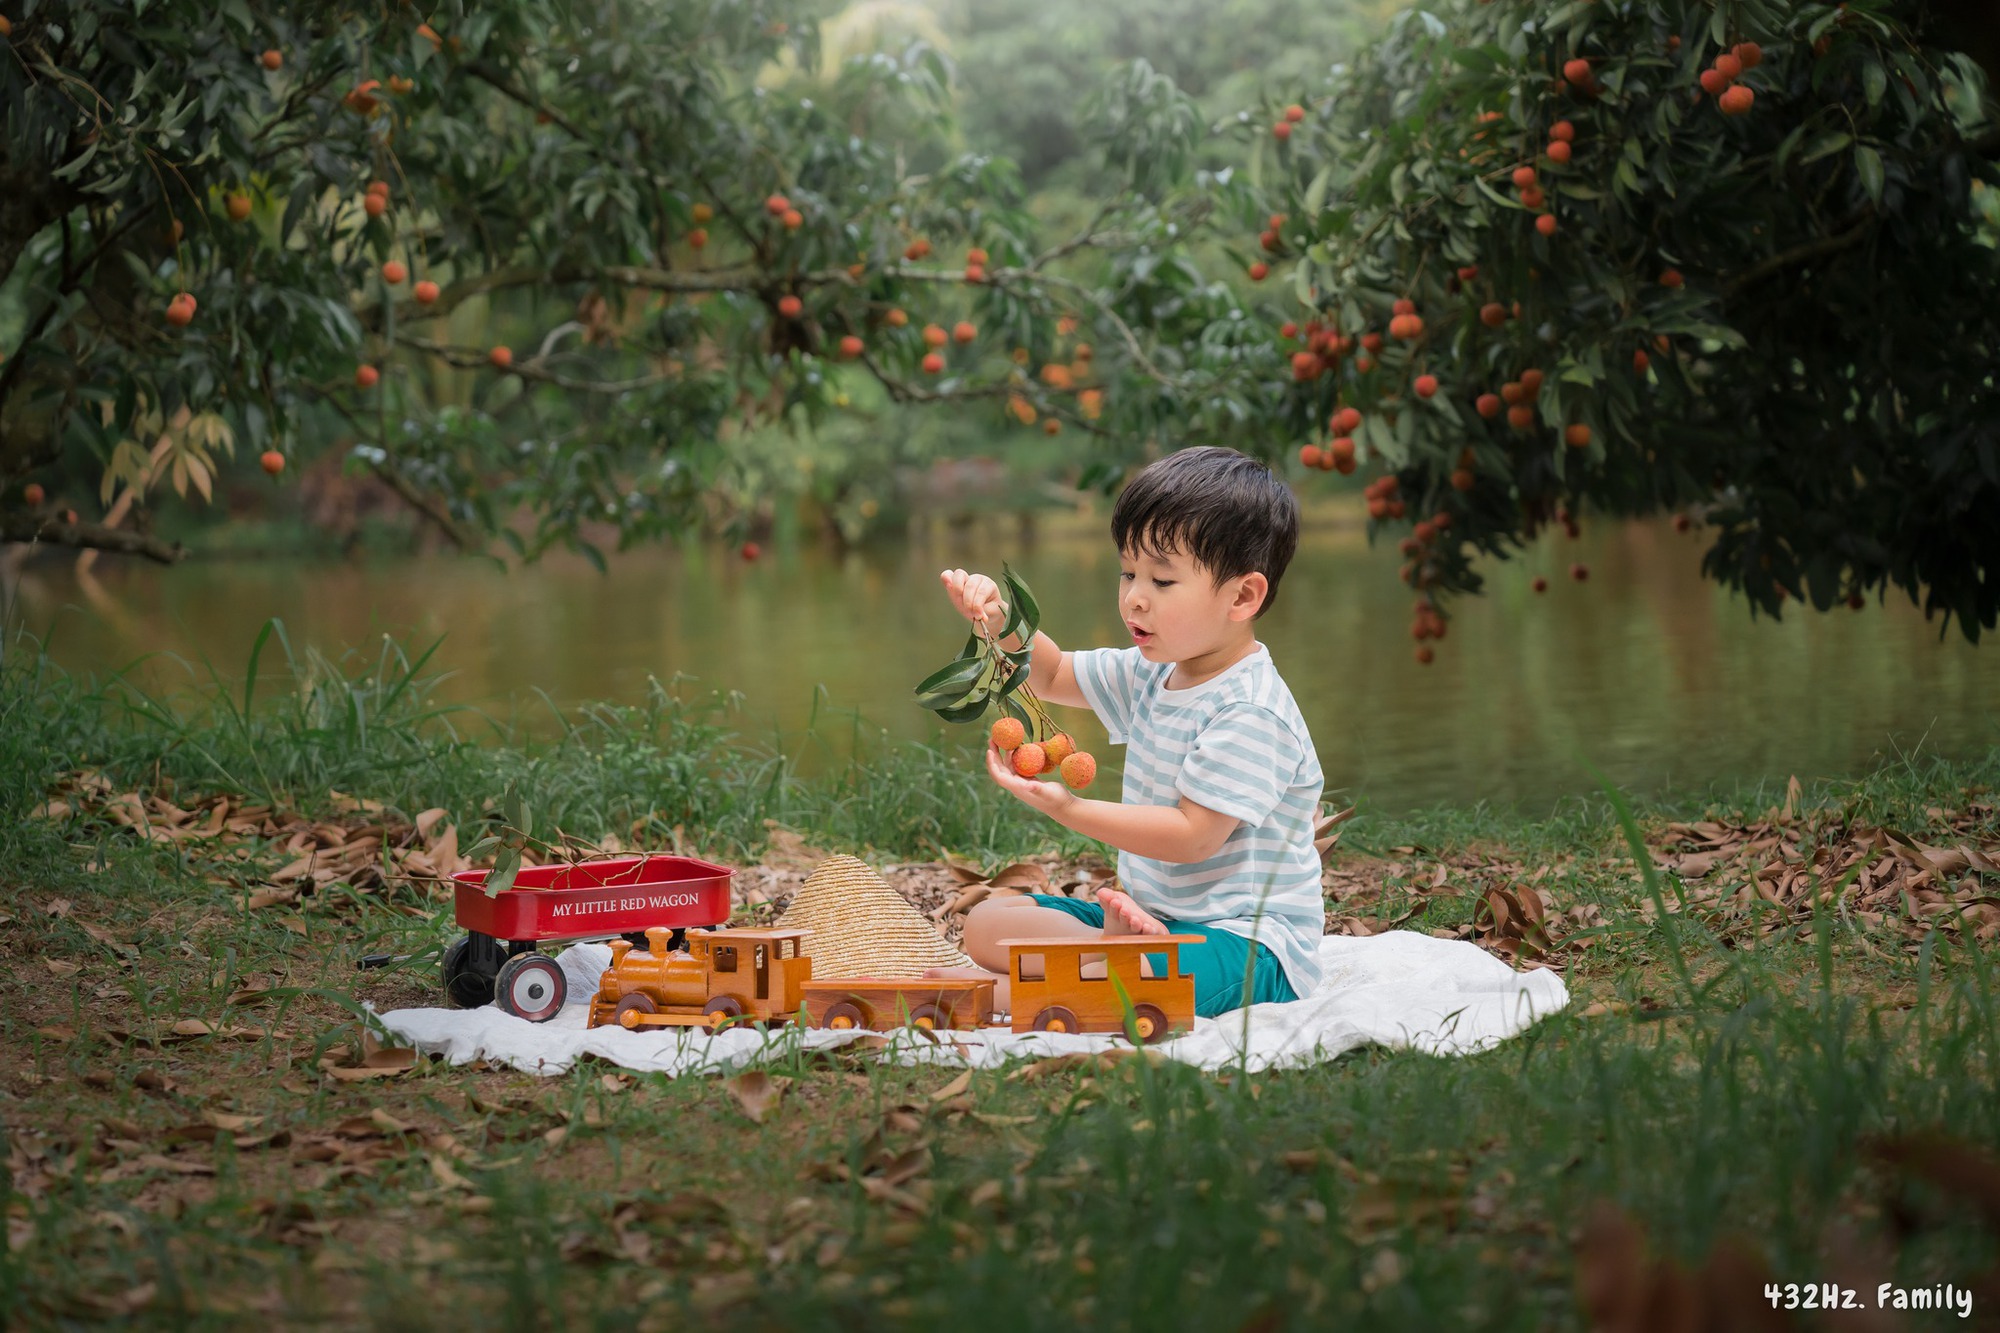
{"x":1660,"y":679}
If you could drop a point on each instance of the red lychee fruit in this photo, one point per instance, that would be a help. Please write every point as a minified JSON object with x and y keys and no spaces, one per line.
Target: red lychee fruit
{"x":1030,"y":759}
{"x":1008,"y":733}
{"x":1079,"y":770}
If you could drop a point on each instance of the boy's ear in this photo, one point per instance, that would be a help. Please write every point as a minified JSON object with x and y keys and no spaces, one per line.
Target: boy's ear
{"x":1250,"y":590}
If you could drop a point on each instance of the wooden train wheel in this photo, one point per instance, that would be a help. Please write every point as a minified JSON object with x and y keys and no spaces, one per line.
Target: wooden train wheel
{"x":844,"y":1015}
{"x":629,"y":1009}
{"x":1150,"y":1022}
{"x":721,"y":1010}
{"x":1057,"y":1018}
{"x":531,"y":986}
{"x":930,"y":1017}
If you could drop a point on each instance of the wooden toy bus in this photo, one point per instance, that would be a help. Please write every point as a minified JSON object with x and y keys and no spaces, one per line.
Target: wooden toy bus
{"x":1062,"y":999}
{"x":725,"y":976}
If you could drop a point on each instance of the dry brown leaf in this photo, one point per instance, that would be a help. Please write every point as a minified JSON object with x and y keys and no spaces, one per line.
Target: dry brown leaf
{"x":108,"y":940}
{"x":757,"y":1092}
{"x":232,"y":1123}
{"x":61,"y":968}
{"x":953,"y":1088}
{"x":263,"y":898}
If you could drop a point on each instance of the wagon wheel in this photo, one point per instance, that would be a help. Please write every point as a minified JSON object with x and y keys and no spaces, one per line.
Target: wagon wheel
{"x":930,"y":1017}
{"x":468,"y":967}
{"x":626,"y":1015}
{"x":531,"y":986}
{"x":1057,"y":1018}
{"x":1150,"y":1022}
{"x":845,"y":1015}
{"x":721,"y":1010}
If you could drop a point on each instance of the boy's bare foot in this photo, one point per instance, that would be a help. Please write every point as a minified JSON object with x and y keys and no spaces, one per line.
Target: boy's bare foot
{"x":1122,"y":916}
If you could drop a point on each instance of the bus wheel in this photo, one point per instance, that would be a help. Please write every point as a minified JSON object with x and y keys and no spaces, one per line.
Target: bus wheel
{"x":630,"y":1009}
{"x":1057,"y":1018}
{"x":845,"y":1016}
{"x":1150,"y":1022}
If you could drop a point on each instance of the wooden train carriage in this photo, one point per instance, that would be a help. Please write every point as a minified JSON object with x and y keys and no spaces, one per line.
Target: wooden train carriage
{"x":725,"y":975}
{"x":1063,"y":999}
{"x":881,"y":1003}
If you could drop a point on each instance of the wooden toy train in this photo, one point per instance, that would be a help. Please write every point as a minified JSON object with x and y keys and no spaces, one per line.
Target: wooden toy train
{"x":671,"y":966}
{"x":765,"y":976}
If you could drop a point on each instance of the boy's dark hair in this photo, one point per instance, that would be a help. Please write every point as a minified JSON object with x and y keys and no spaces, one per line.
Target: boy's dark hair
{"x":1223,"y":508}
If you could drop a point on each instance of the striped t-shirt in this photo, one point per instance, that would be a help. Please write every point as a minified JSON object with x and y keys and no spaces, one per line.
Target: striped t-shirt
{"x":1236,"y":744}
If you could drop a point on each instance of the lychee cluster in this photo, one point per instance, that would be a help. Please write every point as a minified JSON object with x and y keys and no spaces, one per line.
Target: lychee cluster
{"x":1056,"y":754}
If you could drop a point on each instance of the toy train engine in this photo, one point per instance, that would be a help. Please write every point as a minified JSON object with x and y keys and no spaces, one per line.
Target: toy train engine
{"x":724,"y":976}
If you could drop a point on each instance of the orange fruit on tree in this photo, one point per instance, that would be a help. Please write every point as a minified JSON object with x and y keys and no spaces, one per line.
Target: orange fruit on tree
{"x":1023,"y":410}
{"x":701,"y":213}
{"x":1737,"y":100}
{"x":1531,"y":381}
{"x":975,"y":255}
{"x":1558,"y":151}
{"x":964,"y":331}
{"x":273,"y":58}
{"x":1577,"y":72}
{"x":916,"y":249}
{"x":1051,"y":426}
{"x":1671,"y":277}
{"x":1513,"y":391}
{"x":1079,"y":770}
{"x":790,"y":306}
{"x":33,"y":494}
{"x":426,"y":292}
{"x":1468,"y":273}
{"x":1532,"y":197}
{"x":1008,"y":733}
{"x":1259,"y":270}
{"x":1714,"y":82}
{"x":1424,"y":654}
{"x":1309,"y":455}
{"x":1462,"y":479}
{"x":1488,"y":405}
{"x":239,"y":207}
{"x":1493,"y":314}
{"x":1346,"y":421}
{"x":935,"y":336}
{"x":776,"y":205}
{"x":1403,"y":306}
{"x":393,"y":272}
{"x":1748,"y":54}
{"x":1562,"y":131}
{"x":1341,"y":451}
{"x":1546,"y":224}
{"x":1426,"y":385}
{"x":1295,"y":113}
{"x":792,"y":218}
{"x":698,"y":238}
{"x":1282,"y":130}
{"x":933,"y":363}
{"x":1030,"y":759}
{"x":1523,"y":177}
{"x":751,"y":550}
{"x":272,"y":462}
{"x":896,"y":317}
{"x":375,"y":205}
{"x":1728,"y":66}
{"x":1521,"y":416}
{"x":180,"y":311}
{"x":501,"y":358}
{"x":1058,"y":748}
{"x":850,"y":346}
{"x":1577,"y":435}
{"x":975,"y":273}
{"x":366,"y":376}
{"x":379,"y":187}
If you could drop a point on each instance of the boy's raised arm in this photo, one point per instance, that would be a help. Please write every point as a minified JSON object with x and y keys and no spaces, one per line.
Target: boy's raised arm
{"x":977,"y":598}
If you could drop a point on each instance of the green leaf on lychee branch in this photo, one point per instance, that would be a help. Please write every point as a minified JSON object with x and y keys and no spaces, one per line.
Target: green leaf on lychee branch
{"x":1026,"y":613}
{"x":965,"y":712}
{"x":949,"y":684}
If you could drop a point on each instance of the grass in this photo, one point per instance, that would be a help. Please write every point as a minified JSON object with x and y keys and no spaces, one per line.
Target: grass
{"x":1743,"y":1090}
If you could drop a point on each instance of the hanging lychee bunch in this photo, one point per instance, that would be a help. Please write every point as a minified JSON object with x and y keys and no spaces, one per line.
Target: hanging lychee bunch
{"x":1719,"y":80}
{"x":984,"y":674}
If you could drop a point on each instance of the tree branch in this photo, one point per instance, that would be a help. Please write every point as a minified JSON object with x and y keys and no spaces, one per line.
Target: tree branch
{"x":429,"y":506}
{"x":1801,"y":254}
{"x":16,"y":526}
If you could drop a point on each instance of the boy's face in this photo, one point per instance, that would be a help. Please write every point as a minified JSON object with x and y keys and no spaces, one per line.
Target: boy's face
{"x":1173,"y":608}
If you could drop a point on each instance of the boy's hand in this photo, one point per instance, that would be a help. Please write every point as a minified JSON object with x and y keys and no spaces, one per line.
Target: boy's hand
{"x":1048,"y":797}
{"x":977,"y":598}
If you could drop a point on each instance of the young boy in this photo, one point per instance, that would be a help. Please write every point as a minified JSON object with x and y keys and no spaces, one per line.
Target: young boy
{"x":1215,"y":830}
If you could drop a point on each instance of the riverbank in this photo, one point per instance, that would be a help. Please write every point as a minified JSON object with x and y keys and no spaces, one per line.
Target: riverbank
{"x":1776,"y":995}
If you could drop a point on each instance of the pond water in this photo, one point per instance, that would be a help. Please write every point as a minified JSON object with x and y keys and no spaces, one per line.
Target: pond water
{"x":1659,"y":679}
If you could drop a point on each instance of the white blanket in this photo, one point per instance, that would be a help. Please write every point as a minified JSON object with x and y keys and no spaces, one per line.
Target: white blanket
{"x":1400,"y":989}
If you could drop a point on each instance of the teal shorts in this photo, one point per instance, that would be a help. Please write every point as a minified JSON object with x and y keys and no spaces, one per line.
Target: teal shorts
{"x":1218,"y":963}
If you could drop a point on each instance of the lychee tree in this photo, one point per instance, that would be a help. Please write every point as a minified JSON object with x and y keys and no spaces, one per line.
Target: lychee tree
{"x":270,"y":226}
{"x":1725,"y":259}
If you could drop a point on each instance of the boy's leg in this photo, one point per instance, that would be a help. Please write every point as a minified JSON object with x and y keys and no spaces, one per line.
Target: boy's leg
{"x":1018,"y":917}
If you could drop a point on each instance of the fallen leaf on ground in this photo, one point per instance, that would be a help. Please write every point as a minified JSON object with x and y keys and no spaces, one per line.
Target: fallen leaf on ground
{"x":953,"y":1088}
{"x":61,"y":968}
{"x":757,"y":1092}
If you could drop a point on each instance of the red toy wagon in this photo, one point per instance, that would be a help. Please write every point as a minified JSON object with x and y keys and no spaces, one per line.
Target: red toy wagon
{"x":498,"y":959}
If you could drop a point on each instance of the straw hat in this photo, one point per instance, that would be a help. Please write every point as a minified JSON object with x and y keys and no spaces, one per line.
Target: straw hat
{"x":863,"y":928}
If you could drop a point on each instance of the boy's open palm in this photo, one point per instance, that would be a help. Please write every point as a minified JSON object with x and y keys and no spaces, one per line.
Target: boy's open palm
{"x":1047,"y":797}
